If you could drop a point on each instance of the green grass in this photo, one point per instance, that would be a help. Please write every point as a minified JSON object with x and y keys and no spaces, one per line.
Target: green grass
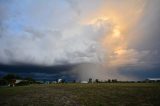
{"x":109,"y":94}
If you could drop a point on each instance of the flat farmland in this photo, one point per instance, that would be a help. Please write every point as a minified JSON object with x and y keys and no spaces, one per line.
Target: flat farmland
{"x":101,"y":94}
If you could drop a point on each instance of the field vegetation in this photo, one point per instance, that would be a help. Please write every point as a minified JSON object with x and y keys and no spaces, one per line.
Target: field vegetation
{"x":76,"y":94}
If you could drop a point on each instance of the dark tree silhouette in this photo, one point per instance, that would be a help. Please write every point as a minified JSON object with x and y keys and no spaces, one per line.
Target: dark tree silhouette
{"x":97,"y":81}
{"x":109,"y":80}
{"x":90,"y":80}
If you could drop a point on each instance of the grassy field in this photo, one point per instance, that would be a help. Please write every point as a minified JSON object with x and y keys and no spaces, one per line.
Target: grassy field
{"x":109,"y":94}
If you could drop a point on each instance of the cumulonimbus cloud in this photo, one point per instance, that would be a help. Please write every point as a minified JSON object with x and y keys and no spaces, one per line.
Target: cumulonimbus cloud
{"x":114,"y":34}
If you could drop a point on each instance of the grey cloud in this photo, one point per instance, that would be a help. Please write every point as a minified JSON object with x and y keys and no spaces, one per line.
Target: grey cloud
{"x":57,"y":32}
{"x":49,"y":47}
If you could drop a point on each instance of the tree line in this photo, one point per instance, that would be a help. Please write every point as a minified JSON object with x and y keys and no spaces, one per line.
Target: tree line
{"x":10,"y":80}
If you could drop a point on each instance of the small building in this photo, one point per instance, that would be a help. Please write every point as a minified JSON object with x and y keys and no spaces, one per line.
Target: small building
{"x":13,"y":82}
{"x":153,"y":79}
{"x":18,"y":81}
{"x":84,"y":82}
{"x":60,"y":80}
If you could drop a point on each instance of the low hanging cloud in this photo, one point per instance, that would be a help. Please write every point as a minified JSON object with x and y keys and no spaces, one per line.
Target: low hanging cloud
{"x":104,"y":37}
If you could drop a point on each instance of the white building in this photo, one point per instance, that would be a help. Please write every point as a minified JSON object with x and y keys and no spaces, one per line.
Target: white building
{"x":84,"y":82}
{"x":153,"y":79}
{"x":60,"y":80}
{"x":14,"y":82}
{"x":18,"y":81}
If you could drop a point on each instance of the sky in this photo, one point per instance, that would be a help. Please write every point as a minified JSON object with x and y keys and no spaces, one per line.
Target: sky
{"x":80,"y":39}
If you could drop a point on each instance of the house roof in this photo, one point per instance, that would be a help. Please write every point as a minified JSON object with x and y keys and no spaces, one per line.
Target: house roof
{"x":155,"y":79}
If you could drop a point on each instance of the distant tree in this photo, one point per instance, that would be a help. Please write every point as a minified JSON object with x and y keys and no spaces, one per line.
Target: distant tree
{"x":138,"y":81}
{"x":90,"y":80}
{"x":9,"y":77}
{"x":74,"y":81}
{"x":114,"y":80}
{"x":109,"y":80}
{"x":29,"y":79}
{"x":158,"y":81}
{"x":63,"y":81}
{"x":97,"y":81}
{"x":3,"y":82}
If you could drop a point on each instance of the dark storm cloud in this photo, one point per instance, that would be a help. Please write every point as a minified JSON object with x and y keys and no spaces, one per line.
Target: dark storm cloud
{"x":141,"y":73}
{"x":38,"y":72}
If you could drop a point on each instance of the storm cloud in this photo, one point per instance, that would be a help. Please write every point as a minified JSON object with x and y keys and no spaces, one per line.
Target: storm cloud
{"x":100,"y":38}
